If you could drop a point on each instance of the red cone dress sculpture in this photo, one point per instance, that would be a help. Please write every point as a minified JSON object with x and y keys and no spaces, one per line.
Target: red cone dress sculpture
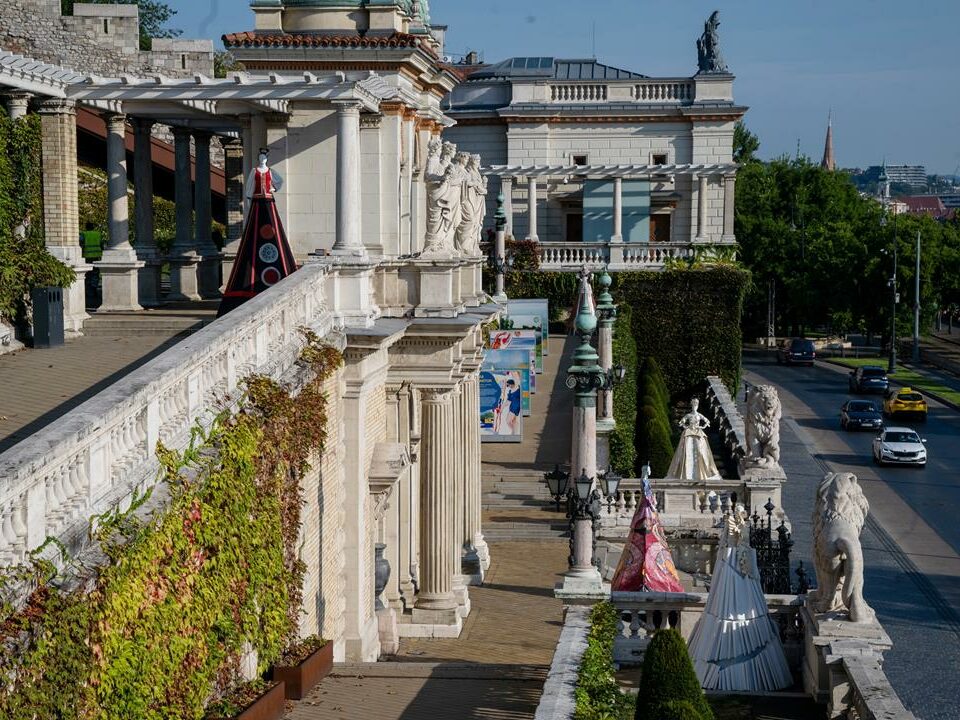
{"x":264,"y":257}
{"x":646,"y":563}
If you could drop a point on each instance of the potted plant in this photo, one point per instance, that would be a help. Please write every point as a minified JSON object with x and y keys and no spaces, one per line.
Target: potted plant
{"x":304,"y":664}
{"x":254,"y":700}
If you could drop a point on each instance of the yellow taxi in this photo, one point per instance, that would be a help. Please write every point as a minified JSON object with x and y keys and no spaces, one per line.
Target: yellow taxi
{"x":904,"y":401}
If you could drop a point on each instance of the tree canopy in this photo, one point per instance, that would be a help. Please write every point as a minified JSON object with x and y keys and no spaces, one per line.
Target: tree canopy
{"x":827,"y":250}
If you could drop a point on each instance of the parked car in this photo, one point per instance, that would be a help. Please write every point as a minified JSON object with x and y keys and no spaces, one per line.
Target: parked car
{"x":900,"y":446}
{"x":860,"y":414}
{"x":796,"y":352}
{"x":869,"y":378}
{"x":905,"y":401}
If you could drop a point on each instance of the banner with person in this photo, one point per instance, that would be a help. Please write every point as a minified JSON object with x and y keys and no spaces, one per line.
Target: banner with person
{"x":527,"y":322}
{"x":501,"y":405}
{"x":509,"y":361}
{"x":519,"y":340}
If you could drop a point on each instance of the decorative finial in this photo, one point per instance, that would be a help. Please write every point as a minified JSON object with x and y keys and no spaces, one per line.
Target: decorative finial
{"x":586,"y":320}
{"x":500,"y":217}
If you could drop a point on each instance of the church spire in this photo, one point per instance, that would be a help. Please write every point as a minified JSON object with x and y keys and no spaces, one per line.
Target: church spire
{"x":829,"y":162}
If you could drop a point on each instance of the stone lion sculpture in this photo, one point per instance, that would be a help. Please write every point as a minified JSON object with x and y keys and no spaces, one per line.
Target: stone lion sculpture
{"x":763,"y":427}
{"x":838,"y":516}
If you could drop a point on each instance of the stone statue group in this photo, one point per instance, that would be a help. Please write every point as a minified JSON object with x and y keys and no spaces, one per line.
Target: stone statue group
{"x":456,"y":201}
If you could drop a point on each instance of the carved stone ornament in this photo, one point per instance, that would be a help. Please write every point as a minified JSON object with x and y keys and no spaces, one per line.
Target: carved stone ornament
{"x":762,"y":426}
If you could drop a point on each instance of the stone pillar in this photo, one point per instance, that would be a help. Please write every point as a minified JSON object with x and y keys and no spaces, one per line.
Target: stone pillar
{"x":208,"y":271}
{"x":183,"y":256}
{"x":729,"y":205}
{"x":18,"y":103}
{"x":457,"y":504}
{"x":702,"y":207}
{"x":61,"y":210}
{"x":233,"y":170}
{"x":406,"y":547}
{"x":478,"y":553}
{"x":617,"y":210}
{"x":348,"y":241}
{"x":119,"y":268}
{"x":532,"y":206}
{"x":436,"y":604}
{"x":506,"y":187}
{"x":149,"y":278}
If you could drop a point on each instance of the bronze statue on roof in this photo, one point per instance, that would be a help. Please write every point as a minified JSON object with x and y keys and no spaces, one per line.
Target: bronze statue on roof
{"x":708,"y":47}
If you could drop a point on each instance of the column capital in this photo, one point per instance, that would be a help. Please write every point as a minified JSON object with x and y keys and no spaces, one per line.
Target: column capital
{"x":201,"y":136}
{"x":114,"y":120}
{"x":142,"y":124}
{"x":436,"y":395}
{"x":57,"y":106}
{"x":348,"y":107}
{"x":181,"y":133}
{"x":18,"y":103}
{"x":371,"y":121}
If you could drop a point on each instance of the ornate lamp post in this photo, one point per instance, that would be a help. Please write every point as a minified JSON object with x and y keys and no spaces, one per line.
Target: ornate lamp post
{"x":585,"y":377}
{"x":607,"y":313}
{"x":558,"y":483}
{"x":499,"y":253}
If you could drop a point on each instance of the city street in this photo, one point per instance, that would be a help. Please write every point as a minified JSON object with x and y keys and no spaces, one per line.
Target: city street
{"x":912,"y":538}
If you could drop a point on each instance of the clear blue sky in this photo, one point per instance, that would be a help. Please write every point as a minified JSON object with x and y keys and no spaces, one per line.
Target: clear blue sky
{"x":887,"y":68}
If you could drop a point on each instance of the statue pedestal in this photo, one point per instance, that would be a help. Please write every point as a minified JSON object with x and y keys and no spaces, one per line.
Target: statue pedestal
{"x":471,"y":281}
{"x":828,"y":639}
{"x":352,"y":291}
{"x":605,"y":426}
{"x":441,"y":293}
{"x":762,"y":484}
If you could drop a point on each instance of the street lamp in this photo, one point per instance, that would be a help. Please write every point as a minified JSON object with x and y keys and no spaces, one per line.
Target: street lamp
{"x":613,"y":377}
{"x":558,"y":484}
{"x":610,"y":481}
{"x":498,"y":257}
{"x":894,"y":296}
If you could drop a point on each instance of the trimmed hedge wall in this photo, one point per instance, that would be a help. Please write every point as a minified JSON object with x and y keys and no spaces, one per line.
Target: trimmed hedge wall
{"x":654,"y":432}
{"x":623,"y":452}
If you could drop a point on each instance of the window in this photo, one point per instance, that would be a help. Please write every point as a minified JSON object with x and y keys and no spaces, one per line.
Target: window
{"x":183,"y":62}
{"x":658,"y":159}
{"x":580,"y":160}
{"x":106,"y":26}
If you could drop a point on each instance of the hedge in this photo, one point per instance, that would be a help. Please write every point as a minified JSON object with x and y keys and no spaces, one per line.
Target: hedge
{"x":623,"y":452}
{"x":669,"y":688}
{"x":598,"y":696}
{"x":159,"y":630}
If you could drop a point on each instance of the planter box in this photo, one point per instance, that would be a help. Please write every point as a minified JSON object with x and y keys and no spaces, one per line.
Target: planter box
{"x":269,"y":706}
{"x":300,"y":679}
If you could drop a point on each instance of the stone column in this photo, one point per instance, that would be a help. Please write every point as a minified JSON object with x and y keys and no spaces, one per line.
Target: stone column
{"x":349,"y":240}
{"x":478,"y":553}
{"x":183,"y":256}
{"x":532,"y":206}
{"x":617,"y":210}
{"x":61,"y":210}
{"x":208,"y":271}
{"x":233,"y":170}
{"x":406,"y":548}
{"x":729,"y":205}
{"x":119,"y":268}
{"x":18,"y":103}
{"x":149,"y":278}
{"x":506,"y":187}
{"x":702,"y":207}
{"x":436,"y":604}
{"x":457,"y":505}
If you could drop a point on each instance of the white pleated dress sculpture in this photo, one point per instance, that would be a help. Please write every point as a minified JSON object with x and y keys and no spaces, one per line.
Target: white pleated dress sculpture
{"x":693,"y":459}
{"x":735,"y":645}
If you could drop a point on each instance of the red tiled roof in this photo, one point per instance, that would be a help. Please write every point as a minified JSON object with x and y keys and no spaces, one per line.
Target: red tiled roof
{"x":318,"y":40}
{"x":924,"y":205}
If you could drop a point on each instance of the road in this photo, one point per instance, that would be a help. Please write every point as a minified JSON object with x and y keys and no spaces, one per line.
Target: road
{"x":912,"y":539}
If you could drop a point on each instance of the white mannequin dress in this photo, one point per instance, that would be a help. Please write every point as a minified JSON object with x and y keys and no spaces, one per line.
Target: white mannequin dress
{"x":693,"y":459}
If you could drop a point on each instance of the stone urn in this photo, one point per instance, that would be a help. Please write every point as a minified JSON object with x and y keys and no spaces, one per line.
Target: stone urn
{"x":381,"y":575}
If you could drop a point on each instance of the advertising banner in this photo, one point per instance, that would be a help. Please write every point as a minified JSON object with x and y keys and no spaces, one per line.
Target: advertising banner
{"x":501,"y":403}
{"x":519,"y":340}
{"x":510,"y":361}
{"x":526,"y":322}
{"x":539,"y":307}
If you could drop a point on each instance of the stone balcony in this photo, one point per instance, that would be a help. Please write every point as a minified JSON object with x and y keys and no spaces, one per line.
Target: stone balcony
{"x":682,"y":91}
{"x":616,"y":256}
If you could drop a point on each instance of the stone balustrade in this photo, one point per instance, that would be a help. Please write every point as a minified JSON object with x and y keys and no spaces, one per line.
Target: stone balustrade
{"x":673,"y":91}
{"x":617,"y":256}
{"x":102,"y":452}
{"x":722,"y":408}
{"x":870,"y":693}
{"x":579,"y":92}
{"x":664,"y":91}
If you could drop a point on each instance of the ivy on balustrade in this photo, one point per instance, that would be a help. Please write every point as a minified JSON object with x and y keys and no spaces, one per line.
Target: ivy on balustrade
{"x":160,"y":628}
{"x":598,"y":695}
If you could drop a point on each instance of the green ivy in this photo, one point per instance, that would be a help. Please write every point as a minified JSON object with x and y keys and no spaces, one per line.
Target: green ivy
{"x":654,"y":436}
{"x":623,"y":453}
{"x":25,"y":262}
{"x":161,"y":629}
{"x":598,"y":696}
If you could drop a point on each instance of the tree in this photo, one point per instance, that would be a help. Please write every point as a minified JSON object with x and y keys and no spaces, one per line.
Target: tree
{"x":154,"y":16}
{"x":745,"y":143}
{"x":668,"y":686}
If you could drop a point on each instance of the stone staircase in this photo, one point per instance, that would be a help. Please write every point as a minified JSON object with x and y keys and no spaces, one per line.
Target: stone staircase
{"x":173,"y":320}
{"x":517,"y":506}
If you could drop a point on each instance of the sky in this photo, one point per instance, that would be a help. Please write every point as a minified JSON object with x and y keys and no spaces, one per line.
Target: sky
{"x":887,"y":69}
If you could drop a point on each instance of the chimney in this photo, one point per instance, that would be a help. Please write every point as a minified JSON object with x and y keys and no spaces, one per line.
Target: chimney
{"x":473,"y":58}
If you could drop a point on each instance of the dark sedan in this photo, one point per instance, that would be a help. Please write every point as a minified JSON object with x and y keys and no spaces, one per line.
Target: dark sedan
{"x":796,"y":352}
{"x":869,"y":379}
{"x":860,"y":415}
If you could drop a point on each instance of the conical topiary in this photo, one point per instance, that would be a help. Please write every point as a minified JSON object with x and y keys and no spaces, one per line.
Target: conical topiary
{"x":668,"y":679}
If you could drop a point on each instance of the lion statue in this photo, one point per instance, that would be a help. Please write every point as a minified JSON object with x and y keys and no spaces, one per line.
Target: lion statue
{"x":762,"y":427}
{"x":838,"y":516}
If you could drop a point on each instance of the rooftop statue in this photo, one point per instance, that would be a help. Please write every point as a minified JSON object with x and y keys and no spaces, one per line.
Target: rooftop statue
{"x":708,"y":47}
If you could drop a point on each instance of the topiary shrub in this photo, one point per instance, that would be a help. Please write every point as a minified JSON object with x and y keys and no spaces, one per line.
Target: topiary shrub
{"x":668,"y":683}
{"x":660,"y":446}
{"x":623,"y":453}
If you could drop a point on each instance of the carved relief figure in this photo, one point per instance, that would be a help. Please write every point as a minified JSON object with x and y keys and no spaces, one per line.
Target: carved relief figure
{"x":763,"y":427}
{"x":444,"y":191}
{"x":838,"y":517}
{"x":473,"y":209}
{"x":708,"y":47}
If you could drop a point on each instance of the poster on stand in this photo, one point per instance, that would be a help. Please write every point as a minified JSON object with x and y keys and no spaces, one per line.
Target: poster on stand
{"x":510,"y":361}
{"x":539,"y":307}
{"x":501,"y":404}
{"x":526,"y":322}
{"x":519,"y":340}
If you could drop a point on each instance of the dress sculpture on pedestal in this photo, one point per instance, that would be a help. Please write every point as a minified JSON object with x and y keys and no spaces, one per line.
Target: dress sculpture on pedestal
{"x":735,"y":645}
{"x":708,"y":47}
{"x":646,"y":563}
{"x":693,"y":459}
{"x":838,"y":518}
{"x":264,"y":257}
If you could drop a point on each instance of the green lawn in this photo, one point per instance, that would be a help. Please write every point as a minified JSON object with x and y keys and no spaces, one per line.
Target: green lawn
{"x":905,"y":376}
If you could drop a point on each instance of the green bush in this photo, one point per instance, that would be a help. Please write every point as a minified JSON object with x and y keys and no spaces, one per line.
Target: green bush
{"x":623,"y":454}
{"x":659,"y":445}
{"x":598,"y":696}
{"x":669,"y":683}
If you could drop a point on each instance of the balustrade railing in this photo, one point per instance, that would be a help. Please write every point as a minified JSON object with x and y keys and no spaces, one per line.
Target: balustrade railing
{"x":102,"y":452}
{"x":579,"y":92}
{"x":654,"y":91}
{"x":618,"y":256}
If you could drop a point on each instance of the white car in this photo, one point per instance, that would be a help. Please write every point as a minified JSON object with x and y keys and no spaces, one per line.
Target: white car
{"x":899,"y":446}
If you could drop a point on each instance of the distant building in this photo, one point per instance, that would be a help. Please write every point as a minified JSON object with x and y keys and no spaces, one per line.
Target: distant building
{"x":951,"y":201}
{"x":913,"y":175}
{"x":930,"y":205}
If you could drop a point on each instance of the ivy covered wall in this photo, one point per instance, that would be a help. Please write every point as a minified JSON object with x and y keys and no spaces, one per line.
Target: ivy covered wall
{"x":161,"y":627}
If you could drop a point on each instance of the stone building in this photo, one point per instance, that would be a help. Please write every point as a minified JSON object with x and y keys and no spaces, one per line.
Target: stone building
{"x":582,"y":137}
{"x":348,"y":100}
